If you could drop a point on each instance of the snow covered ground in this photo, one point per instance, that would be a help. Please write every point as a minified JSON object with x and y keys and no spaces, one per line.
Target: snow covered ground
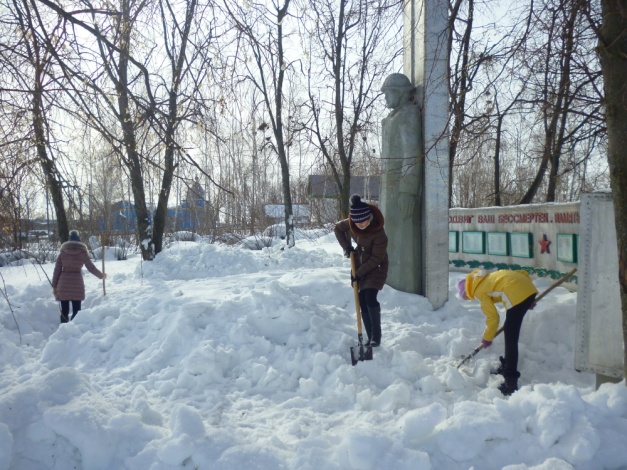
{"x":215,"y":357}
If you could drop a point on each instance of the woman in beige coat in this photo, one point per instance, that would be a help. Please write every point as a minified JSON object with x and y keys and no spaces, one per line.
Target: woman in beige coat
{"x":67,"y":280}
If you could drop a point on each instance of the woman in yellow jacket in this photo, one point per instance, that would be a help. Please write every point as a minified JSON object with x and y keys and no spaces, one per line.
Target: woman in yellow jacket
{"x":517,"y":293}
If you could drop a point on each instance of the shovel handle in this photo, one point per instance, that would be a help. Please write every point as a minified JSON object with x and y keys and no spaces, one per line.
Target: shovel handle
{"x":568,"y":275}
{"x":356,"y":294}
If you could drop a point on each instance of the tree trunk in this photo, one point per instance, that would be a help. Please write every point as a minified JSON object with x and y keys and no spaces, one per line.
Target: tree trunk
{"x":345,"y":193}
{"x":556,"y":110}
{"x":178,"y":66}
{"x":564,"y":100}
{"x":161,"y":214}
{"x":48,"y":166}
{"x":278,"y":132}
{"x":613,"y":53}
{"x":535,"y":184}
{"x":497,"y":163}
{"x":458,"y":95}
{"x":134,"y":164}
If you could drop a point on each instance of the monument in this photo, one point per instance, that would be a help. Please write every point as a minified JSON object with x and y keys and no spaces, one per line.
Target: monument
{"x":425,"y":49}
{"x":402,"y":183}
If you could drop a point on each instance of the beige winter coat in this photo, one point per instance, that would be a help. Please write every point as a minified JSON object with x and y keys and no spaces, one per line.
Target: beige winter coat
{"x":67,"y":280}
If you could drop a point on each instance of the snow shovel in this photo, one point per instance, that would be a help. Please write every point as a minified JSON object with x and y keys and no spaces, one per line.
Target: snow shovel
{"x":474,"y":352}
{"x":358,"y":352}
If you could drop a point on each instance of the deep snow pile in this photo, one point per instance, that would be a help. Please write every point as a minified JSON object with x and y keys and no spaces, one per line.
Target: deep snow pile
{"x":215,"y":357}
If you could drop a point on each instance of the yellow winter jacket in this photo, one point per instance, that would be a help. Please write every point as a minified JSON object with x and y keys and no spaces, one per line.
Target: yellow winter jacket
{"x":509,"y":287}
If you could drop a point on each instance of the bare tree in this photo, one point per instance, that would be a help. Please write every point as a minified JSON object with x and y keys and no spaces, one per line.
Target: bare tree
{"x":478,"y":68}
{"x":556,"y":87}
{"x":500,"y":115}
{"x":352,"y":50}
{"x":189,"y":62}
{"x":146,"y":113}
{"x":540,"y":74}
{"x":28,"y":66}
{"x":612,"y":50}
{"x":264,"y":33}
{"x":12,"y":211}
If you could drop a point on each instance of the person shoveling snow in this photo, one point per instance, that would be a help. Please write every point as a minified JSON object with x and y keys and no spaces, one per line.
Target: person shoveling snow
{"x":517,"y":293}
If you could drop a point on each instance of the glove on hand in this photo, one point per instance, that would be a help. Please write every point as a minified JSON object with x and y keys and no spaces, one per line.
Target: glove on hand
{"x":486,"y":344}
{"x":347,"y":252}
{"x":355,"y":279}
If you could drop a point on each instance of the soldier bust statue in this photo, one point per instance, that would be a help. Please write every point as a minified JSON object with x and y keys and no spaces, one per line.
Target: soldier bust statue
{"x":402,"y":184}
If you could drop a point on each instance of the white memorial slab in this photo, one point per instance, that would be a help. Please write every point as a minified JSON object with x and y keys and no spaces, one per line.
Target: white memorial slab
{"x":599,"y":331}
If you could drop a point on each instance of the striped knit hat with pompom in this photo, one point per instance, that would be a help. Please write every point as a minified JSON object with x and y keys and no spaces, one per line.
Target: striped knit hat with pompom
{"x":360,"y":211}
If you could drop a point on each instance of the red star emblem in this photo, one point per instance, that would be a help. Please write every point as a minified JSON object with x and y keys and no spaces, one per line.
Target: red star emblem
{"x":544,"y":245}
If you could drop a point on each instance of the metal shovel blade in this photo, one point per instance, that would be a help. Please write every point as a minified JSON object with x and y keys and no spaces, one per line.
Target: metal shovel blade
{"x":360,"y":353}
{"x":354,"y":355}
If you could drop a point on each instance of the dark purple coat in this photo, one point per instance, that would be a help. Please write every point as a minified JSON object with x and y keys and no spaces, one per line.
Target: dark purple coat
{"x":67,"y":279}
{"x":371,"y":255}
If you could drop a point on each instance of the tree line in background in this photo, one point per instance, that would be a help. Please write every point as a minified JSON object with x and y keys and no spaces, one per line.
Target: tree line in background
{"x":138,"y":101}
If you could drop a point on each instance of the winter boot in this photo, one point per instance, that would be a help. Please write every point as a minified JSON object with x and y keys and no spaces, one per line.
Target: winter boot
{"x":510,"y":385}
{"x":501,"y":368}
{"x":375,"y":318}
{"x":365,"y":318}
{"x":63,"y":319}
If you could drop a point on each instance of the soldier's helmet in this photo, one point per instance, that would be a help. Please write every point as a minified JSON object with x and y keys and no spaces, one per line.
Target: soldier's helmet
{"x":397,"y":80}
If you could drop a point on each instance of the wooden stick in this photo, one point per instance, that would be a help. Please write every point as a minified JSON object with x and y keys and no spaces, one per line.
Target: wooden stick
{"x":356,"y":295}
{"x":570,"y":274}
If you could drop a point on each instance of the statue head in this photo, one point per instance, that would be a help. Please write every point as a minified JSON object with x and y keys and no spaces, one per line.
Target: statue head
{"x":396,"y":80}
{"x":397,"y":90}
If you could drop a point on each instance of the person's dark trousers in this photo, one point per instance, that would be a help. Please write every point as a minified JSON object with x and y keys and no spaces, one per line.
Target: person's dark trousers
{"x":375,"y":319}
{"x":511,"y":330}
{"x":65,"y":309}
{"x":371,"y":313}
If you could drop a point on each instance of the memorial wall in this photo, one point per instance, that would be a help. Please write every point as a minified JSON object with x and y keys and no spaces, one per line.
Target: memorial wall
{"x":540,"y":238}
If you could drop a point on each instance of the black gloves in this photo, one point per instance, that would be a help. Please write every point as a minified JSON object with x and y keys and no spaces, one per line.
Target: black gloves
{"x":355,"y":279}
{"x":347,"y":252}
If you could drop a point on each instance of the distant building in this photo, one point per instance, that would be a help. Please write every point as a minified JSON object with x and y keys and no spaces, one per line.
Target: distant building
{"x":275,"y":213}
{"x":324,"y":196}
{"x":195,"y":196}
{"x":123,"y":217}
